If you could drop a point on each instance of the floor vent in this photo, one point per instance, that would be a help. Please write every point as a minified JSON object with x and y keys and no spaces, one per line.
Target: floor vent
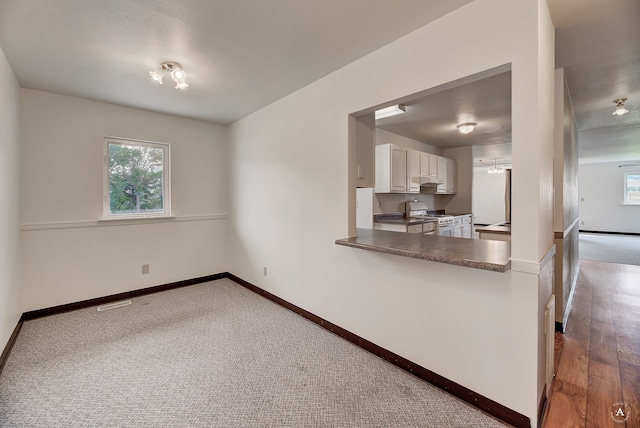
{"x":549,"y":330}
{"x":114,"y":305}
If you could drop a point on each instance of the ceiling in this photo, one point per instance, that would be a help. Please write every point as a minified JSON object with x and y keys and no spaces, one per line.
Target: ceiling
{"x":598,"y":44}
{"x":242,"y":55}
{"x":239,"y":56}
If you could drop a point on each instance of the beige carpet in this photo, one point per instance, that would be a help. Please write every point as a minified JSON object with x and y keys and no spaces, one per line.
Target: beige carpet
{"x":610,"y":248}
{"x":209,"y":355}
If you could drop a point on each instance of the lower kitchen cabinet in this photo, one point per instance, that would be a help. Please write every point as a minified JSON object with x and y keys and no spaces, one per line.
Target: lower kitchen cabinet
{"x":462,"y":227}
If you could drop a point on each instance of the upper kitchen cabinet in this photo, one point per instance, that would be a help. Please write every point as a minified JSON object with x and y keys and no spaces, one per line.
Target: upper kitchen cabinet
{"x":391,"y":169}
{"x":401,"y":170}
{"x":452,"y":180}
{"x":414,"y":167}
{"x":428,"y":165}
{"x":447,"y":173}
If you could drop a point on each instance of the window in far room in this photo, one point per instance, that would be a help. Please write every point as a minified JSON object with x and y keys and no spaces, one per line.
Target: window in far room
{"x":136,"y":179}
{"x":632,"y":188}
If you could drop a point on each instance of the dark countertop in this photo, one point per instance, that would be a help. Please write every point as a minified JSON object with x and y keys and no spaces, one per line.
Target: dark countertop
{"x":495,"y":228}
{"x":399,"y":219}
{"x":472,"y":253}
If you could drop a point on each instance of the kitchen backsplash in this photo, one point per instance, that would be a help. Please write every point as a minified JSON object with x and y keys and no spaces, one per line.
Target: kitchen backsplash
{"x":394,"y":202}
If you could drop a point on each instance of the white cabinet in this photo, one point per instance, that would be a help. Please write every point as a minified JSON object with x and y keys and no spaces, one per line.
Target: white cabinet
{"x":413,"y":171}
{"x":442,"y":175}
{"x":447,"y":173}
{"x":451,"y":176}
{"x":398,"y":170}
{"x":462,"y":226}
{"x":428,"y":164}
{"x":391,"y":169}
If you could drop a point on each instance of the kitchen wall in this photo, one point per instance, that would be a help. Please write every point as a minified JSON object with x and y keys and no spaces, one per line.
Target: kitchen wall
{"x":602,"y":196}
{"x":462,"y":201}
{"x":67,"y":255}
{"x":385,"y":137}
{"x":9,"y":210}
{"x":299,"y":146}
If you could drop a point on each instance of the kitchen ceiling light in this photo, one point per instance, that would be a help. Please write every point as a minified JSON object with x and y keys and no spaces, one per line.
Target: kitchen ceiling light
{"x":620,"y":110}
{"x":496,"y":169}
{"x":390,"y":111}
{"x":466,"y":128}
{"x":176,"y":72}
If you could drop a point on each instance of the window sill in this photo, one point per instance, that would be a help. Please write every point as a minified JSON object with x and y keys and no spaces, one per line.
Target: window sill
{"x":137,"y":218}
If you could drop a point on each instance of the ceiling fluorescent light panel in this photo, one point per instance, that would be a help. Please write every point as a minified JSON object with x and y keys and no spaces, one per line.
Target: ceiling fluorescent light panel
{"x":390,"y":111}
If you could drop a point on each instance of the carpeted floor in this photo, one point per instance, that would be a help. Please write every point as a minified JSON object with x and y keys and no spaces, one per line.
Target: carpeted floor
{"x":214,"y":355}
{"x":611,"y":248}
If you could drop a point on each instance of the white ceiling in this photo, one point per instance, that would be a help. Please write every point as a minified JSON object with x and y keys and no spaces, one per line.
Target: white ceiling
{"x":241,"y":55}
{"x":598,"y":44}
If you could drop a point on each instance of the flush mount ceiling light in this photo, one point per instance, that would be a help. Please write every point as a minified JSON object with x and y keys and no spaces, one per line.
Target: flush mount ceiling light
{"x":496,"y":169}
{"x":620,"y":110}
{"x":176,"y":72}
{"x":466,"y":128}
{"x":390,"y":111}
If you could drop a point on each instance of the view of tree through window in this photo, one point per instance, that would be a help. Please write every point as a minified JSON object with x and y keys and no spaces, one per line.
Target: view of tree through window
{"x":632,"y":188}
{"x":136,"y":178}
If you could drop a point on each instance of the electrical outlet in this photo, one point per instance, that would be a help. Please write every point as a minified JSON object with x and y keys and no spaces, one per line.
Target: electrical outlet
{"x":264,"y":271}
{"x":145,"y":269}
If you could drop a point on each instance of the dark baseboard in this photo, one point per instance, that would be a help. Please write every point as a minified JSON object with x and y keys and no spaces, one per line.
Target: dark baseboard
{"x":476,"y":400}
{"x":542,"y":407}
{"x":609,"y":233}
{"x":39,"y":313}
{"x":10,"y":343}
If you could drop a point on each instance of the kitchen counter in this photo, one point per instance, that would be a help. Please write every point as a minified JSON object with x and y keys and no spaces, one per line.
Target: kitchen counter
{"x":495,"y":228}
{"x":472,"y":253}
{"x":400,"y":219}
{"x":498,"y":231}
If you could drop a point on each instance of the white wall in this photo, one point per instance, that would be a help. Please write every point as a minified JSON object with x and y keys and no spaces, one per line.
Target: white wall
{"x":10,"y":310}
{"x":602,"y":196}
{"x":293,"y":187}
{"x":67,"y":255}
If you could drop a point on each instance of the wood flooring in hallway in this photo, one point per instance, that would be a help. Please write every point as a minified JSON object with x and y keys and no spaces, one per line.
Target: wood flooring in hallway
{"x":598,"y":357}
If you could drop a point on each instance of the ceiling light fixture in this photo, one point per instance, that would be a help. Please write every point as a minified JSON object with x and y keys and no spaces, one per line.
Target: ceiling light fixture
{"x":496,"y":169}
{"x":390,"y":111}
{"x":466,"y":128}
{"x":620,"y":110}
{"x":176,"y":72}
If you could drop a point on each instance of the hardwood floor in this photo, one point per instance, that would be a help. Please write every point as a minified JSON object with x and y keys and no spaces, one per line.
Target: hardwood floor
{"x":598,"y":357}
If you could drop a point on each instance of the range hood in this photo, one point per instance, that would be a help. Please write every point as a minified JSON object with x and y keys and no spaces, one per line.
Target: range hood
{"x":428,"y":180}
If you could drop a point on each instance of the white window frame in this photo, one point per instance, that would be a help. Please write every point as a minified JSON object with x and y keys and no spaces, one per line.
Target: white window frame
{"x":166,"y":173}
{"x":626,"y":201}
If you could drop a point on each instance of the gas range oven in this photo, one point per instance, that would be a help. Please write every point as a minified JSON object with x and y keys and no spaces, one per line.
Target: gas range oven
{"x":444,"y":222}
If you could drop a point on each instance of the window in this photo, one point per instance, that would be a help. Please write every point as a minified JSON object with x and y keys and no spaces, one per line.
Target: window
{"x":136,"y":179}
{"x":632,"y":188}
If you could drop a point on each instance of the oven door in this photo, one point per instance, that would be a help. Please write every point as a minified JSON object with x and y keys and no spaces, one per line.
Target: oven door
{"x":429,"y":228}
{"x":444,"y":230}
